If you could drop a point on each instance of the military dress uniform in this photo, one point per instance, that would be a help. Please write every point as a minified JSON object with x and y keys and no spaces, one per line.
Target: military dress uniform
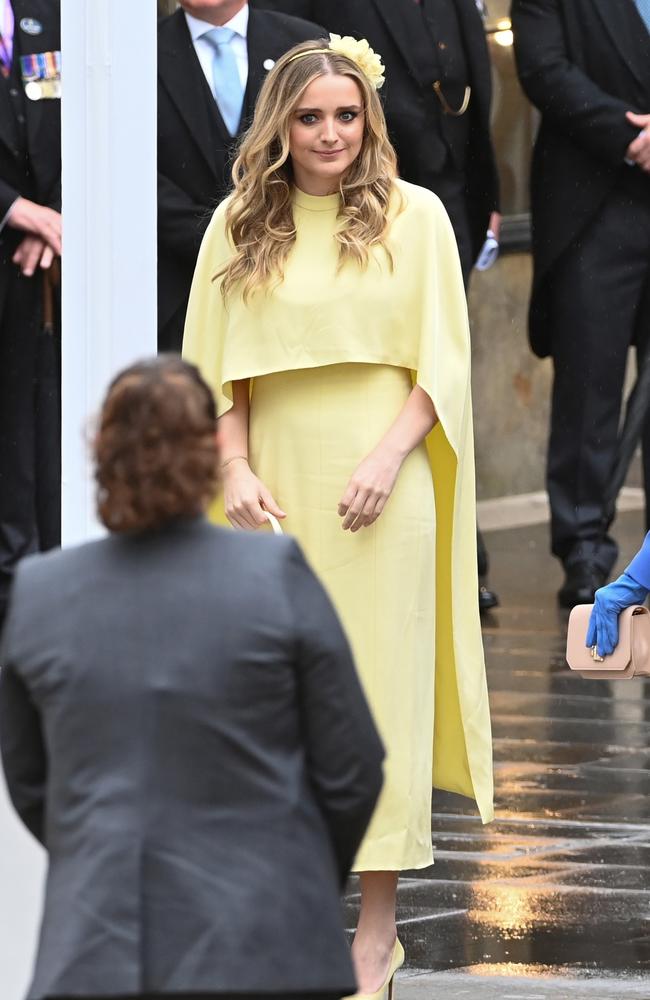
{"x":30,"y":167}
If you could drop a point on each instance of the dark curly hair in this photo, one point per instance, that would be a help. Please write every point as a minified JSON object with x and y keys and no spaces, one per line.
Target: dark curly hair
{"x":156,"y":454}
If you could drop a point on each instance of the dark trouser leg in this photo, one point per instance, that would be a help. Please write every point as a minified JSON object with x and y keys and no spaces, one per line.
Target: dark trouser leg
{"x":47,"y":444}
{"x":29,"y":429}
{"x":18,"y":330}
{"x":643,"y":346}
{"x":595,"y":293}
{"x":482,"y":553}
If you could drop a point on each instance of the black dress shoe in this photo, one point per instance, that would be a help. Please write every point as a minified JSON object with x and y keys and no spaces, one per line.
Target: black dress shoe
{"x":581,"y":582}
{"x":487,"y":599}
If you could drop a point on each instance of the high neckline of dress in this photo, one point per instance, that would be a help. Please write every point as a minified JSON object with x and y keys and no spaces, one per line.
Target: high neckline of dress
{"x":316,"y":203}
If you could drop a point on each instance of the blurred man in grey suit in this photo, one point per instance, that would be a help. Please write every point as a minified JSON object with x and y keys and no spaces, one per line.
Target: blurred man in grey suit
{"x":182,"y":727}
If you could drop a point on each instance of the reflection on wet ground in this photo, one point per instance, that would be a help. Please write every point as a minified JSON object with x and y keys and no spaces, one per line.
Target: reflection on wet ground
{"x":559,"y":885}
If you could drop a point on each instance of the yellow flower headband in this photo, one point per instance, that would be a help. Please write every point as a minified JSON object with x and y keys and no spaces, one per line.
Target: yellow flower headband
{"x":358,"y":51}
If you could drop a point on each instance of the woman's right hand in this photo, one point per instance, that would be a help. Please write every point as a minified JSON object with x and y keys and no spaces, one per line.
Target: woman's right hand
{"x":246,"y":497}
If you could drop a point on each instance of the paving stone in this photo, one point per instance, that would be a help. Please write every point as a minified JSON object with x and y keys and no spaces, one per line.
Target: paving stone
{"x":545,"y":983}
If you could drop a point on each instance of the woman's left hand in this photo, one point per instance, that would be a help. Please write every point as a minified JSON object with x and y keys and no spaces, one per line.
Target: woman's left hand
{"x":608,"y":604}
{"x":369,"y":489}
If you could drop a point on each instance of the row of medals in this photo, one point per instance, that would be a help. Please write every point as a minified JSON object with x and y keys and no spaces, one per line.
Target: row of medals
{"x":41,"y":73}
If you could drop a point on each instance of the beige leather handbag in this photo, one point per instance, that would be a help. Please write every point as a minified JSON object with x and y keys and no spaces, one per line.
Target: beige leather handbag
{"x":631,"y":658}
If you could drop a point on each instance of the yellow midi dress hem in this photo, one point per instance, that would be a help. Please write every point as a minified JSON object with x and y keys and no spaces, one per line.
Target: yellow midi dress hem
{"x":308,"y":431}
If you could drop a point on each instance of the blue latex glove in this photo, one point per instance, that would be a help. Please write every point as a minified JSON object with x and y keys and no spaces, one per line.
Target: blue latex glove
{"x":608,"y":604}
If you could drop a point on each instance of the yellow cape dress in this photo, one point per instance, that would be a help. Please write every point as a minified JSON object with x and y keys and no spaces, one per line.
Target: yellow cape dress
{"x":332,"y":354}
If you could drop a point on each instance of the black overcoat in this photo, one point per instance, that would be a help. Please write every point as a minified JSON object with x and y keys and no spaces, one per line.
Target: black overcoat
{"x":583,"y":63}
{"x":412,"y":108}
{"x":182,"y":727}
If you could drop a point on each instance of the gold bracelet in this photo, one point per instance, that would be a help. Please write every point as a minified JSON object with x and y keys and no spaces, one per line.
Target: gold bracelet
{"x":233,"y":459}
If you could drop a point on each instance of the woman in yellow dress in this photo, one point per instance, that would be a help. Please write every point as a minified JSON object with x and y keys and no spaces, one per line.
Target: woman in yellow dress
{"x":328,"y":314}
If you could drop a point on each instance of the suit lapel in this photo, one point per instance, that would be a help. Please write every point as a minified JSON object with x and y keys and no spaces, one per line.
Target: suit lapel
{"x":181,"y":74}
{"x":257,"y":54}
{"x":394,"y":16}
{"x":620,"y":21}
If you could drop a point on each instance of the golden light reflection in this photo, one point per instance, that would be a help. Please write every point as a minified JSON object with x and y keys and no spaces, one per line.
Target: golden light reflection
{"x":509,"y":908}
{"x":503,"y":35}
{"x":512,"y":908}
{"x":517,"y":970}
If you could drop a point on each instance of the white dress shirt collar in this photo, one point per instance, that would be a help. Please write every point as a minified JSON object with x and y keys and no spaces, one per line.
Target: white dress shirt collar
{"x":238,"y":24}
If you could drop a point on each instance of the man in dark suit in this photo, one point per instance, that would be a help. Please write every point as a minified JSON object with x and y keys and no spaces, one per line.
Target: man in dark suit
{"x":586,"y":65}
{"x":437,"y":98}
{"x":30,"y":242}
{"x":196,"y":144}
{"x":183,"y":729}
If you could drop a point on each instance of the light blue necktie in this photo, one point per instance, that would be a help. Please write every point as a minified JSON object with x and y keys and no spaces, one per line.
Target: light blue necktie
{"x":644,"y":11}
{"x":228,"y":89}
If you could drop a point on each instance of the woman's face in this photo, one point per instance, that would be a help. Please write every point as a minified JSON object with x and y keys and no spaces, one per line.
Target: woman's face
{"x":326,"y":133}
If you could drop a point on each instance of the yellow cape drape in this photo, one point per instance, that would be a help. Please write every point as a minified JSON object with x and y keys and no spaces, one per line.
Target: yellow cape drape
{"x":422,"y":326}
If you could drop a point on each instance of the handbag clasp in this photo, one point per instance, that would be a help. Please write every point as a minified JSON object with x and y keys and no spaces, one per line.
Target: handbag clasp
{"x":594,"y":655}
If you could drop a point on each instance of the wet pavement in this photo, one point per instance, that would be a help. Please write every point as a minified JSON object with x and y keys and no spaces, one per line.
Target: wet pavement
{"x":553,"y":898}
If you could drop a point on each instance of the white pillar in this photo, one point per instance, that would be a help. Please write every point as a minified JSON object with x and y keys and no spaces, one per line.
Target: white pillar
{"x":109,"y":198}
{"x":109,"y":317}
{"x":22,"y":870}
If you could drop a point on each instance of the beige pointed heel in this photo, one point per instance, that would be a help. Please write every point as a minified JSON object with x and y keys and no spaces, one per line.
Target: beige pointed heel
{"x":387,"y":990}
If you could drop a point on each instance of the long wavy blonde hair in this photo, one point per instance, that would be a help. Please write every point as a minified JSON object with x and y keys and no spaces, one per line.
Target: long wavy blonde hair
{"x":259,"y":218}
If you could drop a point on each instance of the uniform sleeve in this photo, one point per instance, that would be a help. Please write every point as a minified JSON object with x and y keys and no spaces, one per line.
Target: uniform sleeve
{"x":206,"y":320}
{"x":561,"y":90}
{"x":344,"y":751}
{"x":8,"y":195}
{"x":21,"y":739}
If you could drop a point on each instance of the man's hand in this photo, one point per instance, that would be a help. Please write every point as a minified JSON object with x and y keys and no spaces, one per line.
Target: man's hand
{"x":33,"y":252}
{"x":37,"y":220}
{"x":639,"y":150}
